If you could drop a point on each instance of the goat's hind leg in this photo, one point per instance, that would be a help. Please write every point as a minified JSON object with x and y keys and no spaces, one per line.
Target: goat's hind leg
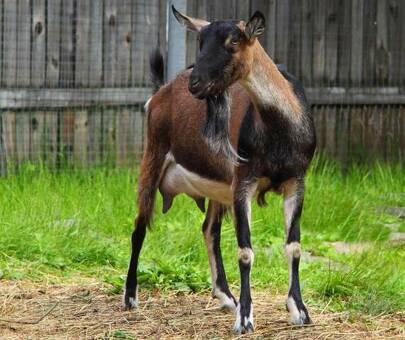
{"x":212,"y":236}
{"x":151,"y":168}
{"x":293,"y":191}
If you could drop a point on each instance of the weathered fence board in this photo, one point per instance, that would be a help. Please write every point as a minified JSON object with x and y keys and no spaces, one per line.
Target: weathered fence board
{"x":38,"y":33}
{"x":9,"y":43}
{"x":53,"y":43}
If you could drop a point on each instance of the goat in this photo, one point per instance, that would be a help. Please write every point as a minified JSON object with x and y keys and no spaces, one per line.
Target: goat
{"x":270,"y":129}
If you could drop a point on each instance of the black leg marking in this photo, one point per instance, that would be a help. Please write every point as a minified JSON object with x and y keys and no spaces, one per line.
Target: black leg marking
{"x":244,"y":312}
{"x":131,"y":287}
{"x":293,"y":203}
{"x":212,"y":236}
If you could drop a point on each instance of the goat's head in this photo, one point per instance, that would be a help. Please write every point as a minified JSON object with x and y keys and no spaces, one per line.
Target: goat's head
{"x":225,"y":54}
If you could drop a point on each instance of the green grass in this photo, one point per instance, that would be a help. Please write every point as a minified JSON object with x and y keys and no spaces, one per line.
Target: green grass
{"x":69,"y":224}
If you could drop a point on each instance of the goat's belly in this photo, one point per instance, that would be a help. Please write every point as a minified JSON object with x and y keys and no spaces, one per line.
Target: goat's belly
{"x":176,"y":180}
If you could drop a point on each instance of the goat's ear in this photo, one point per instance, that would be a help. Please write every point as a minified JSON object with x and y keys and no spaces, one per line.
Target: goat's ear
{"x":192,"y":24}
{"x":255,"y":26}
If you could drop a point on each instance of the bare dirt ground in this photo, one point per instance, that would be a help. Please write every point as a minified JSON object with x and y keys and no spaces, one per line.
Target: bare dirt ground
{"x":41,"y":311}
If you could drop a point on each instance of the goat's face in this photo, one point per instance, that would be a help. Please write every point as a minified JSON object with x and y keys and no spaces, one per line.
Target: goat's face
{"x":225,"y":54}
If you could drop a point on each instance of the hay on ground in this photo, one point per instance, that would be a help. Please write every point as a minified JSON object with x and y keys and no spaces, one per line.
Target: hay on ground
{"x":43,"y":311}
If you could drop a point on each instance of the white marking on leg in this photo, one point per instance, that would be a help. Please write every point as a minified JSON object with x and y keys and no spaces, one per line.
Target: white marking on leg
{"x":238,"y":327}
{"x":290,"y":204}
{"x":296,"y":317}
{"x":246,"y":255}
{"x":133,"y":302}
{"x":292,"y":250}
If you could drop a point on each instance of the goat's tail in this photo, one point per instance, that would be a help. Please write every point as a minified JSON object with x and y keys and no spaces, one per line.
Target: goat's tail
{"x":156,"y":69}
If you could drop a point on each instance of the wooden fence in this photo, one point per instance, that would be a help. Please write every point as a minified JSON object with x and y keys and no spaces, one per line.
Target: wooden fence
{"x":74,"y":73}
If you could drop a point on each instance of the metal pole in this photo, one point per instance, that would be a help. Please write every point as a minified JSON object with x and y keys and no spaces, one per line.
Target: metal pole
{"x":176,"y":40}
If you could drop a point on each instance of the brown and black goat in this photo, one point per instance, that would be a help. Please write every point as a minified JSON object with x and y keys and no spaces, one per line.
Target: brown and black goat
{"x":229,"y":129}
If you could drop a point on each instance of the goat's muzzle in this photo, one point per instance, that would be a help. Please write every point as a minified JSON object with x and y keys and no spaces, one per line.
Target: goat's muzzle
{"x":199,"y":88}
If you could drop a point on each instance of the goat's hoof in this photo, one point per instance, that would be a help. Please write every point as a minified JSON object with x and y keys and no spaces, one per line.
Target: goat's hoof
{"x":243,"y":323}
{"x":228,"y":306}
{"x":226,"y":303}
{"x":129,"y":302}
{"x":243,"y":329}
{"x":298,"y":315}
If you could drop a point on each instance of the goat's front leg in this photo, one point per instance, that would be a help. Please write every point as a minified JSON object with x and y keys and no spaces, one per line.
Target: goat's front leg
{"x":242,"y":209}
{"x":293,"y":191}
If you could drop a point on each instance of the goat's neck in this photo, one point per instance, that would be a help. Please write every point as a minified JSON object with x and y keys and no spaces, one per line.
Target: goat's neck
{"x":268,"y":88}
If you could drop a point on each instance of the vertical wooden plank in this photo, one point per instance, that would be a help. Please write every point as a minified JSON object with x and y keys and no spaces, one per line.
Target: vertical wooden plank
{"x":282,"y":32}
{"x":294,"y":41}
{"x":145,"y":32}
{"x":330,"y":130}
{"x":83,"y":43}
{"x":3,"y":159}
{"x":151,"y":34}
{"x":138,"y":131}
{"x":369,"y":43}
{"x":402,"y":47}
{"x":394,"y":41}
{"x":342,"y":133}
{"x":1,"y":40}
{"x":67,"y":122}
{"x":123,"y":23}
{"x":306,"y":41}
{"x":331,"y":45}
{"x":243,"y":10}
{"x":89,"y":44}
{"x":81,"y":137}
{"x":108,"y":137}
{"x":344,"y":42}
{"x":110,"y":39}
{"x":23,"y":43}
{"x":95,"y":128}
{"x":381,"y":51}
{"x":51,"y":139}
{"x":96,"y":44}
{"x":355,"y":133}
{"x":9,"y":145}
{"x":66,"y":78}
{"x":38,"y":51}
{"x":401,"y":129}
{"x":356,"y":64}
{"x":37,"y":136}
{"x":126,"y":136}
{"x":162,"y":26}
{"x":53,"y":34}
{"x":318,"y":66}
{"x":10,"y":43}
{"x":192,"y":48}
{"x":22,"y":134}
{"x":124,"y":133}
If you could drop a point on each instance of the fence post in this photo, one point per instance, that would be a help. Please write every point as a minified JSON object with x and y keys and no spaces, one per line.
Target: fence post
{"x":176,"y":42}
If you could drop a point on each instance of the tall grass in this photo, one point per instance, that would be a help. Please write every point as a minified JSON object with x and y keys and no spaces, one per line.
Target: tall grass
{"x":57,"y":226}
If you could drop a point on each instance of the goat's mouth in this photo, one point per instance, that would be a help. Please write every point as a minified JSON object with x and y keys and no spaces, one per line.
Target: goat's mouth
{"x":210,"y":89}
